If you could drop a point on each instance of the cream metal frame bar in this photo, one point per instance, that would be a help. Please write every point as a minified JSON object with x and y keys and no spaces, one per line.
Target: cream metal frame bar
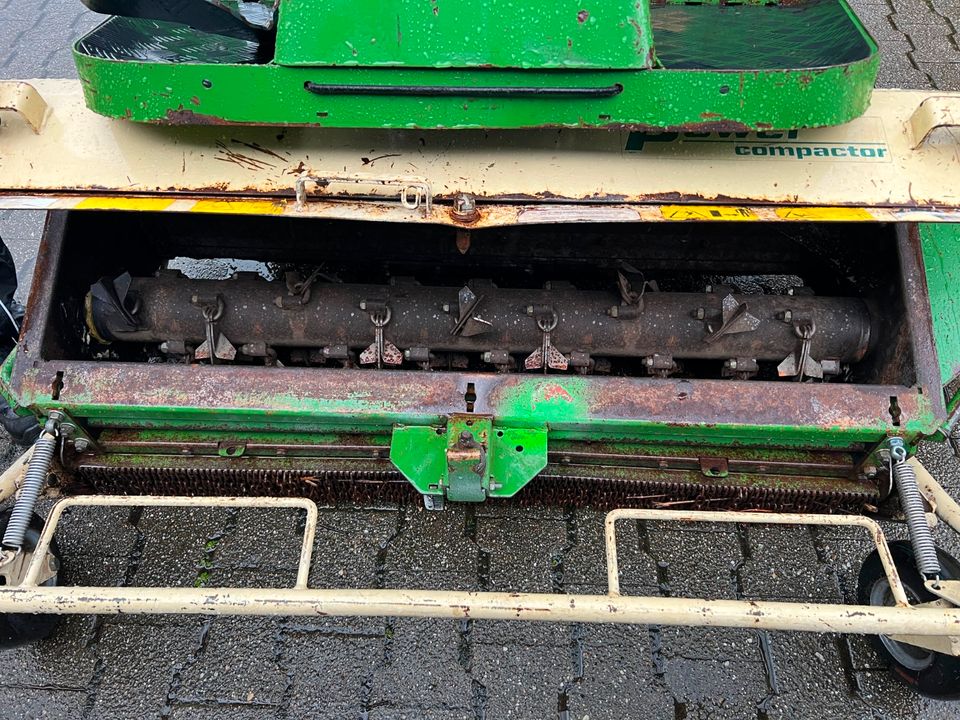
{"x":935,"y":625}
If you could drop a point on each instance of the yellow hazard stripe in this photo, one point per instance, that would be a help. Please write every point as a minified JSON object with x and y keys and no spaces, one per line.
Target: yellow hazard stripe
{"x":124,"y":203}
{"x":240,"y":207}
{"x":824,"y":214}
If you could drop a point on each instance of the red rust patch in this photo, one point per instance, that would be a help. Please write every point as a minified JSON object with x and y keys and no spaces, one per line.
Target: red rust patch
{"x":556,"y":391}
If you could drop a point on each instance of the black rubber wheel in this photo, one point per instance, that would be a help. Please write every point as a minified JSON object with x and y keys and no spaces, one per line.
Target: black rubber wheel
{"x":929,"y":673}
{"x":24,"y":628}
{"x":23,"y":430}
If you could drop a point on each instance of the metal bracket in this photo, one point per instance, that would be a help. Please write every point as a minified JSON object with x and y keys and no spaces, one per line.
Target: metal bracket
{"x":413,"y":193}
{"x":468,"y":472}
{"x":949,"y":590}
{"x":24,"y":99}
{"x":933,"y":113}
{"x":470,"y":459}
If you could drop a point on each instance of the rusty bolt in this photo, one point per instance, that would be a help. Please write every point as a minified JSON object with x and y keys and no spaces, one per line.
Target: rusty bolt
{"x":465,"y":208}
{"x":613,"y":311}
{"x":701,"y":313}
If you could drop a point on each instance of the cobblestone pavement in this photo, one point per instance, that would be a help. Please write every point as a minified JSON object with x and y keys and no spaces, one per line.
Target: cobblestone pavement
{"x":147,"y":667}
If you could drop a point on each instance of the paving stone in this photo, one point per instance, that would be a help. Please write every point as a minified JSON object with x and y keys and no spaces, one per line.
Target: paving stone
{"x":331,"y":670}
{"x":350,"y":547}
{"x":521,"y":552}
{"x":141,"y":664}
{"x":935,"y":48}
{"x":616,"y":675}
{"x":180,"y":545}
{"x":520,"y":681}
{"x":434,"y":549}
{"x":426,"y":668}
{"x":695,"y":561}
{"x":42,"y":704}
{"x":783,"y":564}
{"x":239,"y":664}
{"x":914,"y":11}
{"x":223,"y":711}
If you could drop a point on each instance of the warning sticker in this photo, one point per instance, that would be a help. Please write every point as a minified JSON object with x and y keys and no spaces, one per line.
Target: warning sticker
{"x":706,"y":212}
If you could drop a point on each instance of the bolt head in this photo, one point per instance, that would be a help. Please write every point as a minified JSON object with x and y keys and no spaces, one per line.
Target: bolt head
{"x":613,"y":311}
{"x":446,"y":307}
{"x":81,"y":444}
{"x":363,"y":304}
{"x":701,"y":313}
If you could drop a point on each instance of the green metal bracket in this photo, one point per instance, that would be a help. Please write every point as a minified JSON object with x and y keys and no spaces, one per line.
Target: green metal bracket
{"x":470,"y":459}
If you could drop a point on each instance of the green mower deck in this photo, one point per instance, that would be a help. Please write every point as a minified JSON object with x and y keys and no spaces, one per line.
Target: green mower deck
{"x":680,"y":66}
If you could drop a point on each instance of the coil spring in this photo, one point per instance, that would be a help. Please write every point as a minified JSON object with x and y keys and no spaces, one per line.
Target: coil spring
{"x":33,"y":482}
{"x":921,"y":538}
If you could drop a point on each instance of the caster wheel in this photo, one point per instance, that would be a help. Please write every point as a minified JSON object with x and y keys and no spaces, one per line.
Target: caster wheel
{"x":930,"y":673}
{"x":23,"y":628}
{"x":24,"y":431}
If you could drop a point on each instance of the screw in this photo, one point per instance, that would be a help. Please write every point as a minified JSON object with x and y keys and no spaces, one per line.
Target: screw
{"x":465,"y":208}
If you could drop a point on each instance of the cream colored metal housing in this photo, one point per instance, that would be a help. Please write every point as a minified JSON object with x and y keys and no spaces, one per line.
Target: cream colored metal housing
{"x":874,"y":168}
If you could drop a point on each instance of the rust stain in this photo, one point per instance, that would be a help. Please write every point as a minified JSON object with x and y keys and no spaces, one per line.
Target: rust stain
{"x":184,"y":116}
{"x":556,"y":391}
{"x":245,"y":161}
{"x":259,"y":148}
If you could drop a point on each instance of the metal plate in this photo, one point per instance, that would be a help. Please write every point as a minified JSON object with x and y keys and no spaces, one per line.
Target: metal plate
{"x":462,"y":33}
{"x":82,"y":159}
